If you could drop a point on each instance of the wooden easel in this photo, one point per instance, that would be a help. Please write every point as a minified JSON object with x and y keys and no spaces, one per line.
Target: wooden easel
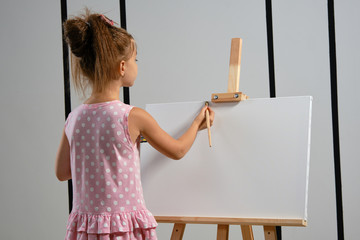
{"x":246,"y":224}
{"x":269,"y":225}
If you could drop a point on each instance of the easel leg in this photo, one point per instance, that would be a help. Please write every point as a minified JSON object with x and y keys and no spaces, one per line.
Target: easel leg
{"x":270,"y":233}
{"x":178,"y":231}
{"x":223,"y":232}
{"x":247,"y":232}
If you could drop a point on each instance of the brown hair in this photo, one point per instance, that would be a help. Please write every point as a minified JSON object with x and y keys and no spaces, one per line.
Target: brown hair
{"x":97,"y":48}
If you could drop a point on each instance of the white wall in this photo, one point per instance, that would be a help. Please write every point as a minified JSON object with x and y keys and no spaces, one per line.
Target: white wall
{"x":301,"y":52}
{"x":183,"y":54}
{"x":348,"y":54}
{"x":33,"y":204}
{"x":184,"y":48}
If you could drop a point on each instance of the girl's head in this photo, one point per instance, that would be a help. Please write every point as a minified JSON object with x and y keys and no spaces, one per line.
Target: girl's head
{"x":98,"y":47}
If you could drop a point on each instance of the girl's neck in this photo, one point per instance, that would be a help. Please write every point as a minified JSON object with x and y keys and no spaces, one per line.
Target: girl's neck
{"x":109,"y":94}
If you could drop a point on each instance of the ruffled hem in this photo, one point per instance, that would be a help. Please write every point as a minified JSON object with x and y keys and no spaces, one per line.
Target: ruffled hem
{"x":137,"y":234}
{"x":110,"y":223}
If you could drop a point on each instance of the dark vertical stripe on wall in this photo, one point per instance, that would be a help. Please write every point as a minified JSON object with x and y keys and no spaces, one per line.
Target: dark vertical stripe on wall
{"x":270,"y":45}
{"x":67,"y":98}
{"x":335,"y":120}
{"x":123,"y":25}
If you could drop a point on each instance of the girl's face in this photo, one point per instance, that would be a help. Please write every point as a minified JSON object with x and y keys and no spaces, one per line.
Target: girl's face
{"x":130,"y":71}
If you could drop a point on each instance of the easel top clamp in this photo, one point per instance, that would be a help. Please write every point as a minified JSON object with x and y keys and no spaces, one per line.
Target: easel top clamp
{"x":232,"y":95}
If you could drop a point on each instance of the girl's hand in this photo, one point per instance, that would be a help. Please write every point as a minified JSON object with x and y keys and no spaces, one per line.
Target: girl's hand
{"x":200,"y":120}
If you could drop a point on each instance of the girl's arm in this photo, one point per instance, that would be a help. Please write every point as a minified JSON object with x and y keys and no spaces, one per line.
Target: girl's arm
{"x":142,"y":123}
{"x":62,"y":165}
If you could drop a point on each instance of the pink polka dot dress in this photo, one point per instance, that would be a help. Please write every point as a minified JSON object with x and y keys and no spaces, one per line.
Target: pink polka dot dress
{"x":108,"y":200}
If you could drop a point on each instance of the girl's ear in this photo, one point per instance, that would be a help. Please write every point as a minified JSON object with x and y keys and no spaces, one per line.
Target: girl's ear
{"x":122,"y":68}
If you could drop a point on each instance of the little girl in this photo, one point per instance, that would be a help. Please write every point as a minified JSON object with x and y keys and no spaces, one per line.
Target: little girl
{"x":99,"y":145}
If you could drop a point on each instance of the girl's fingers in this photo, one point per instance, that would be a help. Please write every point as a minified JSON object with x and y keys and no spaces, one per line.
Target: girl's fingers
{"x":201,"y":118}
{"x":211,"y":115}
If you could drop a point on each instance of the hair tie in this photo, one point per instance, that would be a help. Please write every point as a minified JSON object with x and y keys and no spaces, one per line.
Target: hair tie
{"x":87,"y":23}
{"x":109,"y":21}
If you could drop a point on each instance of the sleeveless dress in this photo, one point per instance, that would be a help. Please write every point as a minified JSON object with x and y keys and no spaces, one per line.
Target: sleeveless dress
{"x":108,"y":201}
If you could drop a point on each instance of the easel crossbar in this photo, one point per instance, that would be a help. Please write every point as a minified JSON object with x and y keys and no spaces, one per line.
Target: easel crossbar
{"x":232,"y":221}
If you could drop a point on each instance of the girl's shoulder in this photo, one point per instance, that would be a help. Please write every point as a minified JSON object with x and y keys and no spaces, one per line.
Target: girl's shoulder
{"x":110,"y":110}
{"x":85,"y":108}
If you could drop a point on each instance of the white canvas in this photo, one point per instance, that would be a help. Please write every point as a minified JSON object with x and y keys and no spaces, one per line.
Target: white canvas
{"x":257,"y":167}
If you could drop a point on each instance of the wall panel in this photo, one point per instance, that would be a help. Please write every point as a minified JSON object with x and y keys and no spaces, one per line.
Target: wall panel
{"x":33,"y":202}
{"x":302,"y":68}
{"x":348,"y":61}
{"x":183,"y":53}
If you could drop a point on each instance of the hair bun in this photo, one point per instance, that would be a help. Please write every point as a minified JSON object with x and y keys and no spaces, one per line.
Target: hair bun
{"x":97,"y":48}
{"x":77,"y":33}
